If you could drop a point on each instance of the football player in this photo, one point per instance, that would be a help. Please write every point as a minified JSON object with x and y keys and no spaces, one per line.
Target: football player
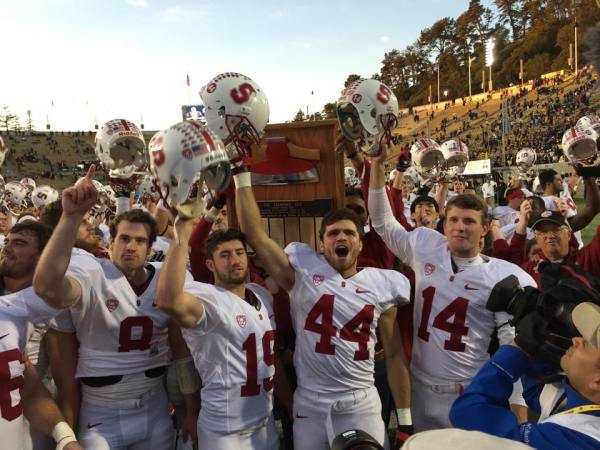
{"x":452,"y":327}
{"x":335,"y":311}
{"x":230,"y":329}
{"x":21,"y":389}
{"x":123,"y":337}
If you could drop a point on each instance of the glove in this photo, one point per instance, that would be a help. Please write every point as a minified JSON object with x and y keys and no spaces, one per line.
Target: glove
{"x":403,"y":161}
{"x":403,"y":432}
{"x":535,"y":337}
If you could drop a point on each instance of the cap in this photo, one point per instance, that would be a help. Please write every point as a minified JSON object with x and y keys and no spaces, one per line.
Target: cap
{"x":586,"y":317}
{"x":453,"y":438}
{"x":424,"y":199}
{"x":550,"y":216}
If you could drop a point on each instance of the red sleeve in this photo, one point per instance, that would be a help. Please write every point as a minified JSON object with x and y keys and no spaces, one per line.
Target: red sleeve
{"x":397,"y":203}
{"x":589,"y":256}
{"x":501,"y":250}
{"x":518,"y":249}
{"x":197,"y":255}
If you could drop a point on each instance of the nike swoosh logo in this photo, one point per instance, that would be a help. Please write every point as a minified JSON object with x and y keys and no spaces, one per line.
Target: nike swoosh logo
{"x":298,"y":416}
{"x":92,"y":425}
{"x":2,"y":337}
{"x":467,"y":288}
{"x":362,"y":291}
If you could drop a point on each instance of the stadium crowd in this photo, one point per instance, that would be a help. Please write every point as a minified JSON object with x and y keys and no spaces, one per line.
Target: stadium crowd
{"x":133,"y":317}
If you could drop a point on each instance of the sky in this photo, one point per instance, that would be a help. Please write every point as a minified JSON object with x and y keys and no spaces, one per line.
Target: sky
{"x":75,"y":63}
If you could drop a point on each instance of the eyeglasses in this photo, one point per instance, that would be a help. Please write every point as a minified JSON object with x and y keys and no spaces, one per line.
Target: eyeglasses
{"x":554,"y":233}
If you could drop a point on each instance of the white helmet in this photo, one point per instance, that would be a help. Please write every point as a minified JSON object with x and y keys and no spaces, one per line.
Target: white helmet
{"x":43,"y":195}
{"x":412,"y":174}
{"x":237,"y":111}
{"x":182,"y":157}
{"x":111,"y":197}
{"x":3,"y":150}
{"x":580,"y":144}
{"x":148,"y":189}
{"x":121,"y":148}
{"x":456,"y":155}
{"x":427,"y":157}
{"x":589,"y":121}
{"x":525,"y":159}
{"x":367,"y":112}
{"x":15,"y":196}
{"x":29,"y":183}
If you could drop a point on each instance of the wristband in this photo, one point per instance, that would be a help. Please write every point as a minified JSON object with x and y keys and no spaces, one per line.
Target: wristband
{"x":404,"y":416}
{"x":239,"y":169}
{"x":63,"y":435}
{"x":242,"y":180}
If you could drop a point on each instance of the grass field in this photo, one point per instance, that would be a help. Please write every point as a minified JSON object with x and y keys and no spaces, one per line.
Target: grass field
{"x":588,"y":232}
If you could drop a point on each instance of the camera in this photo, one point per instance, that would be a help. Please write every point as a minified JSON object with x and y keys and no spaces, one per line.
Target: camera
{"x":510,"y":297}
{"x":543,"y":318}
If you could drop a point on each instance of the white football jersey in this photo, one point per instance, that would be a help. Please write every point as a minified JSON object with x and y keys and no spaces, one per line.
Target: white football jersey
{"x":18,"y":314}
{"x":452,"y":326}
{"x":119,"y":332}
{"x":233,"y":349}
{"x":505,"y":215}
{"x":335,"y":320}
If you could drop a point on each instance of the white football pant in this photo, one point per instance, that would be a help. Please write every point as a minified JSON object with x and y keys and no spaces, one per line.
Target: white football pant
{"x":264,"y":437}
{"x":319,"y":418}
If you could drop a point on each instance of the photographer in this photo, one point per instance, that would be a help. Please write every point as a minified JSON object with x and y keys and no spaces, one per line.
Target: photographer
{"x":570,"y":408}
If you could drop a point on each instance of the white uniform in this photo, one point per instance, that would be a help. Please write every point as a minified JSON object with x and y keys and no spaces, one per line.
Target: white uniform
{"x":335,"y":321}
{"x":232,"y":345}
{"x":119,"y":334}
{"x":19,"y":312}
{"x":505,"y":215}
{"x":452,"y":327}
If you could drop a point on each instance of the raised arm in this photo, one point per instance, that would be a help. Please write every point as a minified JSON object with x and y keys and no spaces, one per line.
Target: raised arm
{"x":391,"y":231}
{"x":182,"y":306}
{"x":50,"y":281}
{"x":270,"y":253}
{"x":591,"y":208}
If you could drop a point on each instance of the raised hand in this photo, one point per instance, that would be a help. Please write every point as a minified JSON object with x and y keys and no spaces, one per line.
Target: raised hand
{"x":79,"y":199}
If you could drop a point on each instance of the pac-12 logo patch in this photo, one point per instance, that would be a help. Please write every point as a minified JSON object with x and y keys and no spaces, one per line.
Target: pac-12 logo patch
{"x":318,"y":278}
{"x":112,"y":304}
{"x":429,"y":268}
{"x":241,"y":320}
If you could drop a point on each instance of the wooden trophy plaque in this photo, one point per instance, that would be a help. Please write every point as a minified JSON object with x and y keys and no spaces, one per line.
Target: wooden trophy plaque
{"x":297,"y":178}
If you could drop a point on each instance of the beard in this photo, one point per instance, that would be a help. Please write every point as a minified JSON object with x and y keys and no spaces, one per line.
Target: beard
{"x":229,"y":279}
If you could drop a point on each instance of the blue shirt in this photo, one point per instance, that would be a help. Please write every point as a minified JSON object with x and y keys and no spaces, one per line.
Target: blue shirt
{"x":482,"y":406}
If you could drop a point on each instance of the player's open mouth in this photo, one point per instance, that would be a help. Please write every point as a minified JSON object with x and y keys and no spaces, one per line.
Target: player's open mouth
{"x":342,"y":251}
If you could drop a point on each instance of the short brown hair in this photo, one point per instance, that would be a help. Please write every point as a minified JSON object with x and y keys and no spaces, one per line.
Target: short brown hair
{"x":469,"y":201}
{"x":135,"y":216}
{"x":41,"y":231}
{"x":217,"y":237}
{"x":340,"y":214}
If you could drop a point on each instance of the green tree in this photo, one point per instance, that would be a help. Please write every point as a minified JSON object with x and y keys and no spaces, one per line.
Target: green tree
{"x":29,"y":125}
{"x":299,"y":117}
{"x":329,"y":111}
{"x":8,"y":120}
{"x":351,"y":79}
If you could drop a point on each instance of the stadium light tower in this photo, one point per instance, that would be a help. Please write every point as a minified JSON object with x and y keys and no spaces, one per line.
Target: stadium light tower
{"x":489,"y":57}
